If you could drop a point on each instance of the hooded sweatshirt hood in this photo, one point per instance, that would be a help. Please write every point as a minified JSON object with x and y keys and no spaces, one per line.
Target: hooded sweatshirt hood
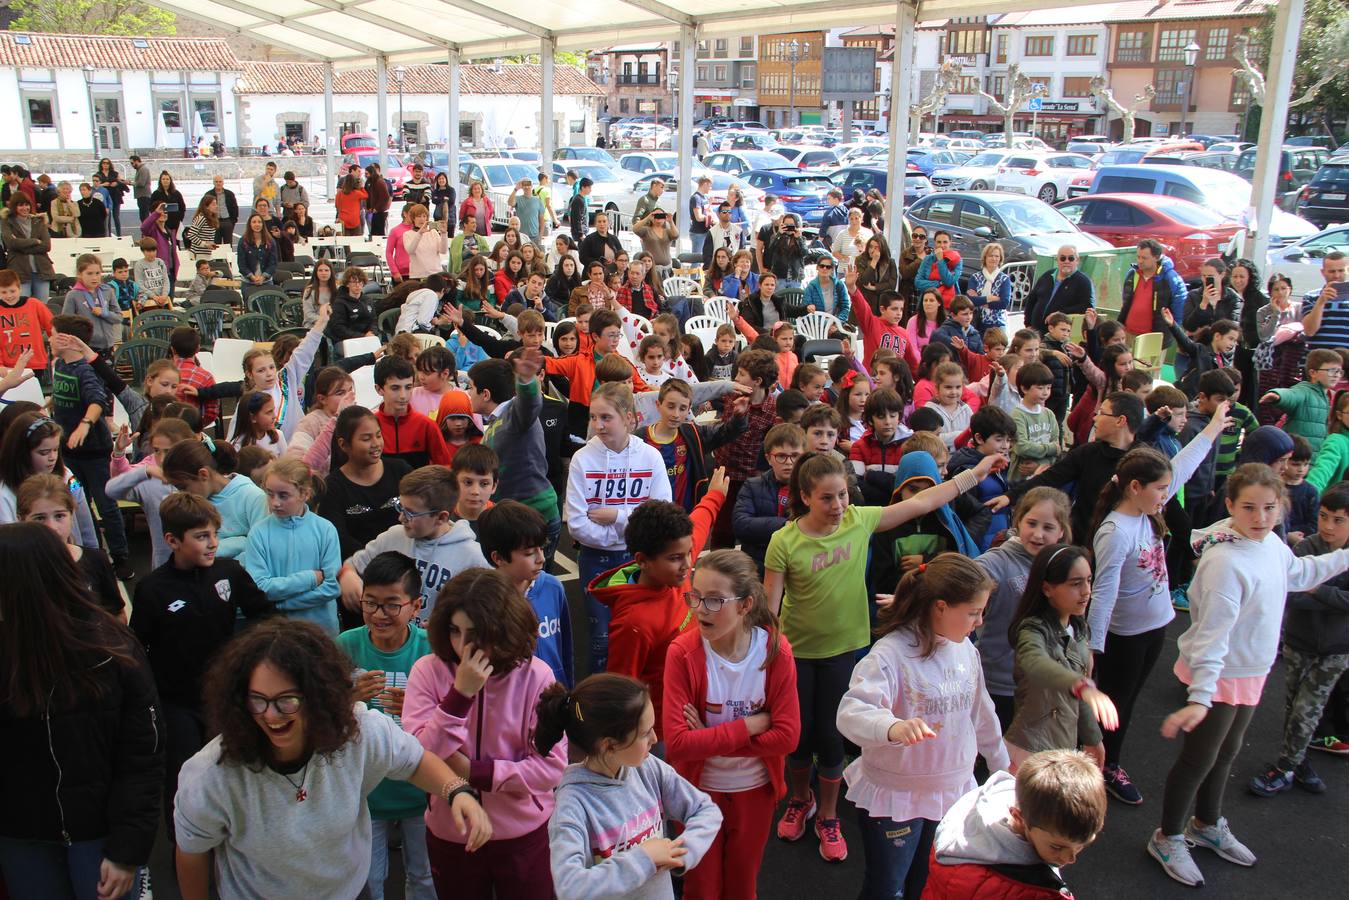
{"x":457,"y":403}
{"x":918,"y":465}
{"x":1220,"y":532}
{"x":978,"y":828}
{"x":1264,"y":445}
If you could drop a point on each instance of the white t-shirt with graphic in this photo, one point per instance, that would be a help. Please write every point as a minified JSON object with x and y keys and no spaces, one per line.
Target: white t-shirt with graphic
{"x":735,"y":690}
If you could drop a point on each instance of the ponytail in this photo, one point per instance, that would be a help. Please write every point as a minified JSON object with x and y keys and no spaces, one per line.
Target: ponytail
{"x":187,"y":458}
{"x":950,"y":577}
{"x":603,"y":706}
{"x":1142,"y":464}
{"x":807,"y":472}
{"x":740,"y":570}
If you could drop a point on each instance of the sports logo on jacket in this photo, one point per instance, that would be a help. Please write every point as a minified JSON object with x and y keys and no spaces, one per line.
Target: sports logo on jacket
{"x":222,"y":589}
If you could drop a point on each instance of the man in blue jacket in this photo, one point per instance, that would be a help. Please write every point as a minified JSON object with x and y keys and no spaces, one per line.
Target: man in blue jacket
{"x":1153,"y":284}
{"x":835,"y":216}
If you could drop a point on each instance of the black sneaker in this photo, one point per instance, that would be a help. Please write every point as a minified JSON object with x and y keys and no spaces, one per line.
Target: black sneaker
{"x":1275,"y":780}
{"x":1305,"y":777}
{"x":122,"y":569}
{"x":1118,"y":784}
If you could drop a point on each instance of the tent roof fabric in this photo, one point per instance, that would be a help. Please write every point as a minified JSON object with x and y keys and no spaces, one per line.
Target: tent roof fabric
{"x":307,"y":78}
{"x":72,"y":51}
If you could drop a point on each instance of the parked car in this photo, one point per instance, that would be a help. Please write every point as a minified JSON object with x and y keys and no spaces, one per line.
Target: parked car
{"x":1297,"y":166}
{"x":809,"y":157}
{"x":1091,"y":148}
{"x":1024,"y":226}
{"x":799,"y":192}
{"x":972,"y":134}
{"x":394,"y":172}
{"x":1043,"y":175}
{"x":611,"y":191}
{"x":1325,"y":199}
{"x":1312,"y":140}
{"x":864,"y":178}
{"x":1223,"y":192}
{"x":586,"y":154}
{"x":745,"y":140}
{"x":356,"y":140}
{"x":978,"y":174}
{"x":645,"y":161}
{"x":499,"y":176}
{"x":738,"y":162}
{"x":1222,"y":160}
{"x":1301,"y":261}
{"x":721,"y":182}
{"x":1191,"y":234}
{"x":1230,"y":146}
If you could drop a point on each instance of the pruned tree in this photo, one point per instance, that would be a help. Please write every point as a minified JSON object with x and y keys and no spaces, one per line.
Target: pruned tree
{"x":1127,"y":114}
{"x":1019,"y":90}
{"x":124,"y":17}
{"x":942,"y":86}
{"x":1255,"y":79}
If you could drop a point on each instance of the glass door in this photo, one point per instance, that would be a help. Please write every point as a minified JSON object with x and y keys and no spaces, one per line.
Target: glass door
{"x":108,"y":120}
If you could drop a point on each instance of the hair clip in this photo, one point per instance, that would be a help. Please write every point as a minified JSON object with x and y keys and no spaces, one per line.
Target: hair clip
{"x":38,"y":423}
{"x":922,"y":567}
{"x":210,"y":444}
{"x":847,"y":381}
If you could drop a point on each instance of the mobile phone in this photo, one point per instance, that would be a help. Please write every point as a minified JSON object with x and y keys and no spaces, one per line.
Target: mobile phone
{"x":1342,"y":291}
{"x":171,"y":207}
{"x":1208,"y":281}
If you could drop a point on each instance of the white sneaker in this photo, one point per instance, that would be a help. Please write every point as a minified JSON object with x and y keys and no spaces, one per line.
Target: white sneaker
{"x":1220,"y":840}
{"x":1173,"y":852}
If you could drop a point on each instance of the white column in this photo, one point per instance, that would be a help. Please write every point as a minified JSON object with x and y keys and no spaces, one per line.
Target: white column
{"x":847,"y":120}
{"x":452,"y":136}
{"x":1273,"y":118}
{"x":546,"y":48}
{"x":901,"y":73}
{"x":688,"y":46}
{"x":330,"y":136}
{"x":382,"y":109}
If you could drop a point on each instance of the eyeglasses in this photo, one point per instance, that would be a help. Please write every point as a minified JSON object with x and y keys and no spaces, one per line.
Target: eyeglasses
{"x":1329,"y":371}
{"x":286,"y":704}
{"x":405,"y":513}
{"x":1063,"y":258}
{"x":784,"y":458}
{"x":693,"y":599}
{"x":392,"y":610}
{"x":823,"y":267}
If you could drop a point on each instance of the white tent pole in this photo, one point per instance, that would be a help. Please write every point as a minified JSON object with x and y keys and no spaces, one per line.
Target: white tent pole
{"x":546,"y":48}
{"x":901,"y":71}
{"x":1273,"y":118}
{"x":452,"y":131}
{"x":688,"y":46}
{"x":330,"y":137}
{"x":382,"y":109}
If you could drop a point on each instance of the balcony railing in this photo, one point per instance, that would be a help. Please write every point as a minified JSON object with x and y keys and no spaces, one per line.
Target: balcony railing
{"x":637,"y":79}
{"x":1131,"y":54}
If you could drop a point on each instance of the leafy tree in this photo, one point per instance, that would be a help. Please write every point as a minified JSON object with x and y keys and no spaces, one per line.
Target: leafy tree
{"x":560,"y":58}
{"x":122,"y":17}
{"x":1321,"y":64}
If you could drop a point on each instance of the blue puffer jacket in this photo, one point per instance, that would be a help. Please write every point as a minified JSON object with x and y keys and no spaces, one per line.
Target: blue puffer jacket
{"x":756,"y":516}
{"x":984,"y":525}
{"x":842,"y":302}
{"x":1168,"y":292}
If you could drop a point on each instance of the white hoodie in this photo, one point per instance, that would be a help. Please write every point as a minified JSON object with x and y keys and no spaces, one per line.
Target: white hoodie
{"x":599,"y":478}
{"x":438,"y":558}
{"x":1236,"y":603}
{"x":978,"y":828}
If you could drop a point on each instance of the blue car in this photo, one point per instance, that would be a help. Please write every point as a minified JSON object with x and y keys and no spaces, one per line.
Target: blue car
{"x":929,"y":160}
{"x":800,"y":193}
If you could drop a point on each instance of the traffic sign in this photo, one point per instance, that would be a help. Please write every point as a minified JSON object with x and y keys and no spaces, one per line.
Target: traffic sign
{"x":1035,"y":104}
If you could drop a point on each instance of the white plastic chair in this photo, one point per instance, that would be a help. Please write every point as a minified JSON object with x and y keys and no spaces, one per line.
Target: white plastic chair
{"x":364,"y":382}
{"x":548,"y":329}
{"x":679,"y":286}
{"x":429,"y":340}
{"x":705,"y":327}
{"x":641,"y":323}
{"x":357,"y":346}
{"x":715,"y":307}
{"x":30,"y":390}
{"x":227,"y":359}
{"x":817,"y":325}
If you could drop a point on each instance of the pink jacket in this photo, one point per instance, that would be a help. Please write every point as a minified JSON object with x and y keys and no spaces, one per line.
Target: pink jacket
{"x":395,"y":254}
{"x":494,"y":730}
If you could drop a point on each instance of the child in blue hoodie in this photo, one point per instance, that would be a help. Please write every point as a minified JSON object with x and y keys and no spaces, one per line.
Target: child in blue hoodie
{"x":207,"y":469}
{"x":919,"y":540}
{"x":992,"y":432}
{"x":294,"y":554}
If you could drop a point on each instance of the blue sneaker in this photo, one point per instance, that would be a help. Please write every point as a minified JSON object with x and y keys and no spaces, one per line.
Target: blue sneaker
{"x":1180,"y":598}
{"x":1275,"y":780}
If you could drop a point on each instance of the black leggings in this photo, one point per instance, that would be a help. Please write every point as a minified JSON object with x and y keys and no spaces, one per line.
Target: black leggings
{"x":1120,"y":672}
{"x":1200,"y":773}
{"x":820,"y":686}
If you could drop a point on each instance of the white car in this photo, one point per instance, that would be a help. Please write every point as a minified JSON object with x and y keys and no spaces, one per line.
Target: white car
{"x":611,"y":191}
{"x":737,"y":162}
{"x":979,"y":174}
{"x":499,"y":175}
{"x":721,"y":182}
{"x":650,"y":161}
{"x":1301,"y":261}
{"x":1043,"y":175}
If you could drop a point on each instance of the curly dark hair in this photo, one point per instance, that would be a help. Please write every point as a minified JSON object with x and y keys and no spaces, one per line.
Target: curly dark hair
{"x":654,"y":525}
{"x":504,"y":621}
{"x":760,"y":365}
{"x":307,"y":656}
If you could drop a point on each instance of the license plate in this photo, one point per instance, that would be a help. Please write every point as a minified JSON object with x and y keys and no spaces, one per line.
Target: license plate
{"x":1332,"y":196}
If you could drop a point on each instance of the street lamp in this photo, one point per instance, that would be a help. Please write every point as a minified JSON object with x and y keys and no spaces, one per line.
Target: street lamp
{"x":793,"y":57}
{"x":1191,"y":52}
{"x":88,"y":70}
{"x":399,"y":73}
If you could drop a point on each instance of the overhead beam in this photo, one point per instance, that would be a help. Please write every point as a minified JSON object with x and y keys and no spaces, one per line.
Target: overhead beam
{"x":669,"y":13}
{"x":354,"y":10}
{"x":244,"y":32}
{"x":501,"y":18}
{"x":310,"y":30}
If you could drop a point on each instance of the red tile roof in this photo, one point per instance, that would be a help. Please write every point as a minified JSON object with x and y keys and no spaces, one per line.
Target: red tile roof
{"x":307,"y":78}
{"x":72,"y":51}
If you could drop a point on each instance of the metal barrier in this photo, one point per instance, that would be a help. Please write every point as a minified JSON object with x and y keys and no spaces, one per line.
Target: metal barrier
{"x":1022,"y":275}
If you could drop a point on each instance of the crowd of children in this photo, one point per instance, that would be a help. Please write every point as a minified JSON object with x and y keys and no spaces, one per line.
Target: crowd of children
{"x":931,"y":574}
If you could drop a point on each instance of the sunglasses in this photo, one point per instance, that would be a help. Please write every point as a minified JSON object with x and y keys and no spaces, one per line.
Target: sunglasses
{"x":1067,"y":258}
{"x":823,"y":267}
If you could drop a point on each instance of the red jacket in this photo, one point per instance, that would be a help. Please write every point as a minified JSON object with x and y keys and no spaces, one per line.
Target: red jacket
{"x":877,"y":334}
{"x":579,"y":370}
{"x":22,"y":327}
{"x":413,"y":438}
{"x":646,"y":619}
{"x":686,"y":683}
{"x":971,"y":881}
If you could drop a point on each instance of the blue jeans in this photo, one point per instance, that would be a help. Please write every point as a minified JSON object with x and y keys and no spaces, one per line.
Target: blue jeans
{"x":416,"y":864}
{"x":698,"y":239}
{"x":39,"y":870}
{"x":590,"y":563}
{"x":37,"y":287}
{"x":896,"y":856}
{"x":550,"y":548}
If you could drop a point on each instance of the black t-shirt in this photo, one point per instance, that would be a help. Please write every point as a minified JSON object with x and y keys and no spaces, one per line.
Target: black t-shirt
{"x":359,"y":513}
{"x":697,"y":222}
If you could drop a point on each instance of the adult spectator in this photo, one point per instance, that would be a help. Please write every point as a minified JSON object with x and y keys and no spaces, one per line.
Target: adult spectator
{"x":876,"y":272}
{"x":227,"y":211}
{"x":291,"y":193}
{"x":835,"y":217}
{"x":264,"y":185}
{"x":378,"y":200}
{"x":600,"y":245}
{"x":724,"y":235}
{"x":1214,"y":299}
{"x":528,"y":209}
{"x":395,"y":252}
{"x":417,"y":189}
{"x":772,"y":210}
{"x":910,"y":258}
{"x":424,"y":245}
{"x":479,"y":205}
{"x":175,"y":209}
{"x":141,"y":187}
{"x":64,"y":214}
{"x":650,"y":200}
{"x":467,"y":243}
{"x":444,"y":205}
{"x":1153,"y":284}
{"x":828,"y":293}
{"x":698,"y":216}
{"x":107,"y":180}
{"x":200,"y":235}
{"x":578,"y":210}
{"x":1062,"y":289}
{"x":93,"y":213}
{"x":257,"y":255}
{"x":852,"y":240}
{"x":350,"y":200}
{"x":940,"y":270}
{"x":658,"y":236}
{"x":264,"y":208}
{"x":786,"y":253}
{"x":1326,"y":325}
{"x":46,"y":193}
{"x":301,"y":222}
{"x":28,"y":244}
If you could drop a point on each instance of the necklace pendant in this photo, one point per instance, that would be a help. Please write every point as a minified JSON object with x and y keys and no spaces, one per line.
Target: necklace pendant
{"x":300,"y":795}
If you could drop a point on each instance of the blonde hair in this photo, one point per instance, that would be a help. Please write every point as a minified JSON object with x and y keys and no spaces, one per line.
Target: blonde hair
{"x":617,"y":394}
{"x":295,"y":472}
{"x":249,"y":356}
{"x":42,"y":487}
{"x":1055,"y":498}
{"x":989,"y":248}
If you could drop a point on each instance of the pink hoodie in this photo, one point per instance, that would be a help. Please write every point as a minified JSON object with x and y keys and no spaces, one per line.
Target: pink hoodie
{"x":494,"y":730}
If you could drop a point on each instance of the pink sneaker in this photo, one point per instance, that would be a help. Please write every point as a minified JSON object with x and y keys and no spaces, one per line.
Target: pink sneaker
{"x":792,"y":825}
{"x":832,"y":846}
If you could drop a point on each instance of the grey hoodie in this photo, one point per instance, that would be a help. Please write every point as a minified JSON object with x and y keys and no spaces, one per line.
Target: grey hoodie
{"x":1008,"y":565}
{"x":599,"y":824}
{"x":438,"y":558}
{"x":978,"y":828}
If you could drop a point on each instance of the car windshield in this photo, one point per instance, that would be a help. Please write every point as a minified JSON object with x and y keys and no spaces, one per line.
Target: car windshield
{"x":501,"y":175}
{"x":808,"y":184}
{"x":1117,"y":157}
{"x":664,"y":160}
{"x":594,"y":154}
{"x":761,"y":159}
{"x":986,"y":159}
{"x":353,"y":142}
{"x":1026,"y":216}
{"x":1190,"y":214}
{"x":595,"y":173}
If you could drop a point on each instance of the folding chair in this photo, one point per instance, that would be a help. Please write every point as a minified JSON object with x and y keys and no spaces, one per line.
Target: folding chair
{"x":266,"y":301}
{"x":134,"y":357}
{"x":816,"y":326}
{"x":291,"y":314}
{"x":227,"y":358}
{"x":253,"y":327}
{"x":1148,"y":352}
{"x":387,"y":322}
{"x":679,"y":286}
{"x":211,"y":320}
{"x":716,"y":308}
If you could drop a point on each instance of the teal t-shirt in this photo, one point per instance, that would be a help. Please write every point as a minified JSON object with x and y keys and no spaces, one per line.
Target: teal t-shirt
{"x":529,"y":208}
{"x":391,"y":799}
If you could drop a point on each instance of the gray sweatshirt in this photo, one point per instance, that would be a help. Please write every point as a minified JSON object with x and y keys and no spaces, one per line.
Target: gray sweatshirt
{"x":599,"y":824}
{"x":268,"y":844}
{"x":516,"y":434}
{"x":438,"y":558}
{"x":100,"y":308}
{"x":1008,"y":565}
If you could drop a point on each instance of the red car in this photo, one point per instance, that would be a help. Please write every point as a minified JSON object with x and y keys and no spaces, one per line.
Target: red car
{"x":1191,"y":234}
{"x":394,"y":173}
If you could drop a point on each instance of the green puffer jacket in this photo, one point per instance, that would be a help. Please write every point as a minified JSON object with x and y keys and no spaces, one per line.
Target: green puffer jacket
{"x":1308,"y":409}
{"x":1050,"y":659}
{"x":1330,"y":462}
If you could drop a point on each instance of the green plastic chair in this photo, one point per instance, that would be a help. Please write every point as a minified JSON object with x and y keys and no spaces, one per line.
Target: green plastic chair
{"x":253,"y":327}
{"x":387,"y":322}
{"x":212,"y":321}
{"x":266,"y":301}
{"x":793,"y":302}
{"x":158,"y":329}
{"x":291,"y":314}
{"x":135,"y":356}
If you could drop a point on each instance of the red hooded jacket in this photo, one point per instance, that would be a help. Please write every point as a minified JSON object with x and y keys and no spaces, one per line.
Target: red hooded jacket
{"x":413,"y":438}
{"x":971,"y":881}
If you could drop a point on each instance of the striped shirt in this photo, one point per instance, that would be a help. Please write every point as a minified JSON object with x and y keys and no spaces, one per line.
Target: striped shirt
{"x":1334,"y":331}
{"x":1229,"y":442}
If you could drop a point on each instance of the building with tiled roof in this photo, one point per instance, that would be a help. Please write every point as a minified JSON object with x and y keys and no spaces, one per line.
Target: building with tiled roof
{"x":302,"y":78}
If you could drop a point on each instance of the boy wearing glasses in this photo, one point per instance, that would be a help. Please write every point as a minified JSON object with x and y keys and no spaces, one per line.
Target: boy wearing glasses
{"x":1307,"y":403}
{"x":183,"y":612}
{"x":382,"y":652}
{"x":761,"y":507}
{"x":440,"y":546}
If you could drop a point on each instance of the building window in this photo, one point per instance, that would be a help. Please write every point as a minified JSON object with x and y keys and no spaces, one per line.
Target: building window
{"x":40,"y":111}
{"x":999,"y":86}
{"x":1132,"y":46}
{"x":747,"y":46}
{"x":1241,"y":93}
{"x":702,"y":49}
{"x":702,"y":73}
{"x":1039,"y":45}
{"x":1077,"y":87}
{"x":676,"y":49}
{"x":1171,"y":47}
{"x":1170,"y":85}
{"x":1002,"y":48}
{"x":1081,"y":45}
{"x":204,"y":112}
{"x":576,"y":126}
{"x":966,"y":42}
{"x":747,"y":76}
{"x":170,"y":111}
{"x":719,"y":50}
{"x":623,"y":105}
{"x":1041,"y":85}
{"x":719,"y":73}
{"x":967,"y":84}
{"x":1217,"y":44}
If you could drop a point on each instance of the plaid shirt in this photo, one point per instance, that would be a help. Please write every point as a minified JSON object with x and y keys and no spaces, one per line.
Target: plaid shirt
{"x":191,"y":373}
{"x":644,"y":302}
{"x":741,"y":456}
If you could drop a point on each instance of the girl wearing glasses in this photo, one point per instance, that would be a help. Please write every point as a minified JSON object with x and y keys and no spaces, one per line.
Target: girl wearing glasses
{"x":731,"y":717}
{"x":473,"y":702}
{"x":280,"y":796}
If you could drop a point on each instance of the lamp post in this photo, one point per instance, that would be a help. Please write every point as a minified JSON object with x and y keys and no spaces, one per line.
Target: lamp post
{"x":1191,"y":52}
{"x":88,"y":70}
{"x":399,"y":73}
{"x":793,"y":57}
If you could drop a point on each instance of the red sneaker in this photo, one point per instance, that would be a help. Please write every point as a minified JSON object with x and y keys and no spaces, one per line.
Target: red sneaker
{"x":792,"y":825}
{"x":832,"y":846}
{"x":1330,"y":745}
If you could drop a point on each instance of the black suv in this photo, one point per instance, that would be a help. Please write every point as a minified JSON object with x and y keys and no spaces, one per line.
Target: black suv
{"x":1324,"y":200}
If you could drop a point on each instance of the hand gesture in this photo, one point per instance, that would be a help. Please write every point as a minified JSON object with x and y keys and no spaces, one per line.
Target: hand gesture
{"x":1076,"y":351}
{"x":473,"y":672}
{"x":909,"y":732}
{"x":325,"y":313}
{"x":908,"y":563}
{"x":733,"y":309}
{"x":189,"y":390}
{"x":850,"y":277}
{"x":78,"y":435}
{"x":602,"y":516}
{"x":958,"y":343}
{"x":884,"y":600}
{"x":664,"y":853}
{"x":124,"y":439}
{"x":1089,"y":318}
{"x":1168,"y":317}
{"x":1185,"y":719}
{"x":718,"y":481}
{"x":1101,"y":706}
{"x":810,"y":308}
{"x":691,"y":718}
{"x":470,"y":817}
{"x":740,"y":406}
{"x":527,"y":363}
{"x":995,"y":462}
{"x":392,"y":701}
{"x":1327,"y":293}
{"x":368,"y":686}
{"x":452,"y":314}
{"x":1210,"y":295}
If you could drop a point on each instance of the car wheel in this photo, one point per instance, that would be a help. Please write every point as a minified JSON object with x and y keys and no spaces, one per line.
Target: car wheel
{"x":978,"y":186}
{"x":1048,"y":194}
